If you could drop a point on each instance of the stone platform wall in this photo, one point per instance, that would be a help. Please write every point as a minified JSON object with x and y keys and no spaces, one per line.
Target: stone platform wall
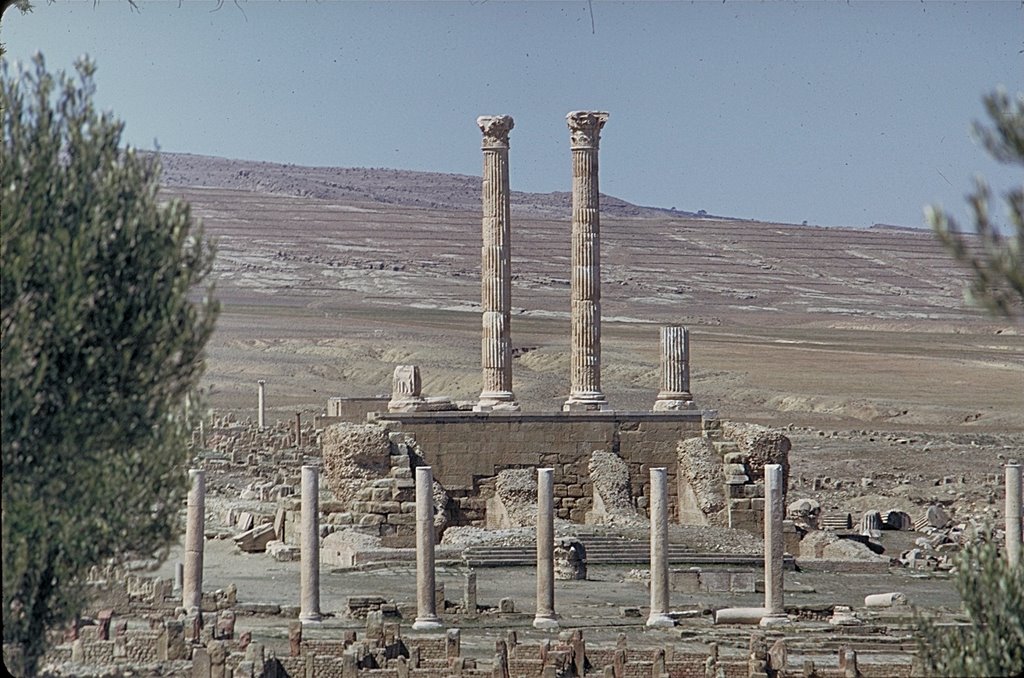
{"x":353,"y":409}
{"x":465,"y":448}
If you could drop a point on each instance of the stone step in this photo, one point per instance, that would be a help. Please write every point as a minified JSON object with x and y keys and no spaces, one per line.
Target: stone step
{"x":527,"y":558}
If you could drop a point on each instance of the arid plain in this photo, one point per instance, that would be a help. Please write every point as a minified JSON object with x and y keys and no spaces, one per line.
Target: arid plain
{"x":857,"y":339}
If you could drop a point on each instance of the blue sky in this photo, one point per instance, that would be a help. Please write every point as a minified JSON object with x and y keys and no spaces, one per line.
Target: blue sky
{"x":835,"y":113}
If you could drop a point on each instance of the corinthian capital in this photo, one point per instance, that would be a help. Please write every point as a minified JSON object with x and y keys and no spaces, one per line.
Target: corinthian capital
{"x":586,"y":127}
{"x":495,"y":129}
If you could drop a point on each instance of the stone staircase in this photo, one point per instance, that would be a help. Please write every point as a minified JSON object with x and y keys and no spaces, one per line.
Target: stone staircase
{"x":604,"y":549}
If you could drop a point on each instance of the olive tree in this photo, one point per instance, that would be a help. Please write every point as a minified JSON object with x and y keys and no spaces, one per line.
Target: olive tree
{"x":996,"y":261}
{"x":105,"y":317}
{"x":991,"y":641}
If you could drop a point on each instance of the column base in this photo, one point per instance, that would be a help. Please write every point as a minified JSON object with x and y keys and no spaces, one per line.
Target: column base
{"x":546,"y":622}
{"x":431,"y":623}
{"x":673,"y":405}
{"x":588,"y":402}
{"x":660,"y":620}
{"x":497,"y":401}
{"x":314,"y":618}
{"x":774,"y":620}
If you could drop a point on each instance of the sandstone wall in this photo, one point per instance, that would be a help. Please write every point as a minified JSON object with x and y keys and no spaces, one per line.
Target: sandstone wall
{"x":468,"y":449}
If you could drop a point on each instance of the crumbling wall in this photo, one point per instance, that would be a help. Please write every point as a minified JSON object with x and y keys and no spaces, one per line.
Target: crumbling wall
{"x":760,"y":445}
{"x":514,"y":503}
{"x":612,"y":495}
{"x":700,"y":485}
{"x":354,"y":454}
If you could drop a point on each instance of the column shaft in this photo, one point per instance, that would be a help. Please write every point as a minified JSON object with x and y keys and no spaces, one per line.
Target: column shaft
{"x":1013,"y":514}
{"x":659,"y":549}
{"x":545,"y":617}
{"x":310,"y":547}
{"x":773,"y":545}
{"x":675,"y":370}
{"x":192,"y":584}
{"x":585,"y":369}
{"x":426,"y":601}
{"x":260,"y":404}
{"x":496,"y":268}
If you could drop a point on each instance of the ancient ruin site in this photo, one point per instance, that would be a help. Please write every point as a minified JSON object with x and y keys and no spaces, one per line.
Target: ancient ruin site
{"x":458,"y":430}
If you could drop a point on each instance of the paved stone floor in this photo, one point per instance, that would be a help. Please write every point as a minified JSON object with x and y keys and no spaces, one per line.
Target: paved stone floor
{"x":593,"y":605}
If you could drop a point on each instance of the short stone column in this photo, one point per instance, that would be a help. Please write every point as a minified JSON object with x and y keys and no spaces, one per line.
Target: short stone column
{"x":309,"y":580}
{"x":773,"y":547}
{"x":298,"y":429}
{"x":1013,"y":514}
{"x":195,"y":521}
{"x":585,"y":371}
{"x":261,"y":412}
{"x":675,"y":370}
{"x":545,"y":618}
{"x":496,"y":268}
{"x":426,"y":602}
{"x":659,"y":549}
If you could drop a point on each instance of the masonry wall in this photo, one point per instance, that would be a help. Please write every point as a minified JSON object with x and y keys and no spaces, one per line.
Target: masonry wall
{"x":354,"y":409}
{"x":468,"y":449}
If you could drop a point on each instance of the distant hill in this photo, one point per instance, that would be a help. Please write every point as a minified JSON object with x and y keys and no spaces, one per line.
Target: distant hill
{"x":401,"y":188}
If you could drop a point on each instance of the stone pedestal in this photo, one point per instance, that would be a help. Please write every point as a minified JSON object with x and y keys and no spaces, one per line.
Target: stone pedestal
{"x":496,"y":269}
{"x":1013,"y":514}
{"x":545,"y":617}
{"x":585,"y":371}
{"x":659,"y":549}
{"x":310,"y":547}
{"x":260,"y":404}
{"x":773,"y":546}
{"x":675,"y":371}
{"x":426,"y":601}
{"x":192,"y":581}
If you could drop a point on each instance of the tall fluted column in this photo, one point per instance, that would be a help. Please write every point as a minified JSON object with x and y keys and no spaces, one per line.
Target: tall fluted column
{"x":260,"y":404}
{"x":496,"y":268}
{"x":1013,"y":514}
{"x":195,"y":520}
{"x":426,"y":600}
{"x":585,"y":389}
{"x":773,"y":547}
{"x":309,"y":579}
{"x":545,"y":618}
{"x":659,"y":550}
{"x":675,"y":370}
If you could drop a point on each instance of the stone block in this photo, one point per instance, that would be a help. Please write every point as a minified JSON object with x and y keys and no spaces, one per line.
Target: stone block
{"x":256,"y":539}
{"x":371,"y":520}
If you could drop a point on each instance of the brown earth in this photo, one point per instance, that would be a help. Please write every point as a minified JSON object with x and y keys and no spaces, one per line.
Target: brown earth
{"x":857,"y":338}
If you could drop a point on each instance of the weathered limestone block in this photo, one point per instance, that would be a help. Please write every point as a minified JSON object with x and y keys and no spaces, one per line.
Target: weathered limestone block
{"x":514,"y":503}
{"x":761,"y":445}
{"x":702,"y":499}
{"x":570,"y":560}
{"x":826,"y":545}
{"x":405,"y":393}
{"x":256,"y":539}
{"x":353,"y":455}
{"x":805,"y":514}
{"x":612,"y":497}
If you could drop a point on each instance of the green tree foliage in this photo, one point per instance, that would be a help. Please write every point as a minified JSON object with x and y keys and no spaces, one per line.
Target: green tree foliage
{"x":993,"y":600}
{"x":104,"y":321}
{"x":997,"y":270}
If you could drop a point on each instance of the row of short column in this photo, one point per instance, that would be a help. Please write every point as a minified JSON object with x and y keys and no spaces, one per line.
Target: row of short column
{"x":545,"y":617}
